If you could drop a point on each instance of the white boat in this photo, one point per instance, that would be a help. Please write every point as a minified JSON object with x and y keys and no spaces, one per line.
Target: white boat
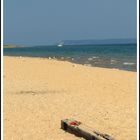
{"x":60,"y":44}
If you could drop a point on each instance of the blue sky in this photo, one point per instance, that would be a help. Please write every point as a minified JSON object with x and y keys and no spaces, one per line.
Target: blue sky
{"x":39,"y":22}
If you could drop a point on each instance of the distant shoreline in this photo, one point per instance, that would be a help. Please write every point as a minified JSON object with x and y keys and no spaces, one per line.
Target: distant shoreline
{"x":12,"y":46}
{"x":18,"y":46}
{"x":99,"y":42}
{"x":131,"y":41}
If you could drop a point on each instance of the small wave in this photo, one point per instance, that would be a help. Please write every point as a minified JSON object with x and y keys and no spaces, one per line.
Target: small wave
{"x":112,"y":60}
{"x":95,"y":57}
{"x":90,"y":59}
{"x":127,"y":63}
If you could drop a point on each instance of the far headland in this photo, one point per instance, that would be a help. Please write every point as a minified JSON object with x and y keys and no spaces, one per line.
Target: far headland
{"x":98,"y":42}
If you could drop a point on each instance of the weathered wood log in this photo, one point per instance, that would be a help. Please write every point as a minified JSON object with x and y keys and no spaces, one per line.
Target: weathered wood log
{"x":74,"y":127}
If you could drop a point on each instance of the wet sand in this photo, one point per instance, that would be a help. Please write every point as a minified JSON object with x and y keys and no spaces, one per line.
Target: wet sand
{"x":38,"y":93}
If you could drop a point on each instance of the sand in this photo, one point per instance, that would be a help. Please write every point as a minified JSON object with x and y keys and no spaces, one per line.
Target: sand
{"x":38,"y":93}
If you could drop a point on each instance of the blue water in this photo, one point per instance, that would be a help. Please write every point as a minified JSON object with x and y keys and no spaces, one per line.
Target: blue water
{"x":108,"y":56}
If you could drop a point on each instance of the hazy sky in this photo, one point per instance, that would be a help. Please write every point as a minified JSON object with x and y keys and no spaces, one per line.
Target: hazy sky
{"x":30,"y":22}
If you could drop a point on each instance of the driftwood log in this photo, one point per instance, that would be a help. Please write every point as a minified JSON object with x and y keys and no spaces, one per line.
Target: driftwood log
{"x":77,"y":128}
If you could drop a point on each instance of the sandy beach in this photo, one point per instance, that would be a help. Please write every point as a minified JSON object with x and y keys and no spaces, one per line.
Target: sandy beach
{"x":38,"y":93}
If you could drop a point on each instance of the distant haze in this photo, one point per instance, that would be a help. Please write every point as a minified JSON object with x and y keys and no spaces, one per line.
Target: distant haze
{"x":40,"y":22}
